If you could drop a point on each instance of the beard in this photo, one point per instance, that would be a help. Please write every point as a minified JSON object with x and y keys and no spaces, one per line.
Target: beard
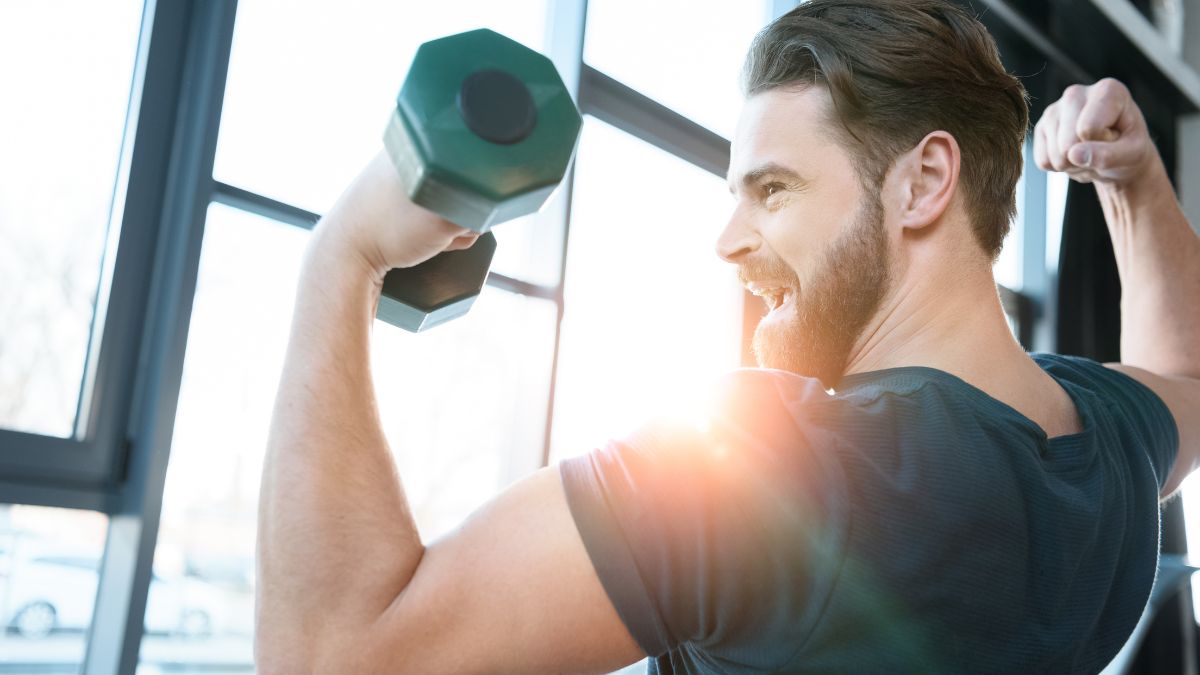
{"x":815,"y":332}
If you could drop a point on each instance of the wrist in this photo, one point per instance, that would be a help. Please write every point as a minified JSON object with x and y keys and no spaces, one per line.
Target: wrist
{"x":349,"y":230}
{"x":333,"y":250}
{"x":1146,"y":186}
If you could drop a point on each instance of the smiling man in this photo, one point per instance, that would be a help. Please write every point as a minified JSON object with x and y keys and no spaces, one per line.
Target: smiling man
{"x":899,"y":488}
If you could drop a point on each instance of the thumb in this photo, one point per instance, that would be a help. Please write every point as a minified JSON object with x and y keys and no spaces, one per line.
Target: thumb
{"x":1121,"y":154}
{"x":1114,"y":161}
{"x":1082,"y":154}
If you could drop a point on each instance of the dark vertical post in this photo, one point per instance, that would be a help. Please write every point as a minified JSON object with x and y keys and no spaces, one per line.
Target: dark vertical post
{"x":187,"y":64}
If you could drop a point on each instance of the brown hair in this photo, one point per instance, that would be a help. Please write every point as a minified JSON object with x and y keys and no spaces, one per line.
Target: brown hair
{"x":897,"y":70}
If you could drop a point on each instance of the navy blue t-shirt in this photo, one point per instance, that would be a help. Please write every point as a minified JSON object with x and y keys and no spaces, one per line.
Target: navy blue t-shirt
{"x":908,"y":522}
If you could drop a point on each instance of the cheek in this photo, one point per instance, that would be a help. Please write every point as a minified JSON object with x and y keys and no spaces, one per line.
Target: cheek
{"x":803,"y":232}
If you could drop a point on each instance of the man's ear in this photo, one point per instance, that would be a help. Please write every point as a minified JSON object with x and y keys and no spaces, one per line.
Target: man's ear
{"x":928,"y":179}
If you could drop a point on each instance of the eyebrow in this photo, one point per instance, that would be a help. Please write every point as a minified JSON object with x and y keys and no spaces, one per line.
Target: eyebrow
{"x":769,"y":169}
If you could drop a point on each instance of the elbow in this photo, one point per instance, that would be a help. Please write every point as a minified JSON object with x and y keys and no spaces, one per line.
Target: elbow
{"x":326,"y":654}
{"x":300,"y":658}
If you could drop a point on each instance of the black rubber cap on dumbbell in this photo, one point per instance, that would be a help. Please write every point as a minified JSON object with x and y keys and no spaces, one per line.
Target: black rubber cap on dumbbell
{"x":497,"y":106}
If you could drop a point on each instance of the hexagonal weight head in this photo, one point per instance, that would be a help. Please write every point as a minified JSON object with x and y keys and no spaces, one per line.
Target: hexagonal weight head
{"x":439,"y":289}
{"x":461,"y":137}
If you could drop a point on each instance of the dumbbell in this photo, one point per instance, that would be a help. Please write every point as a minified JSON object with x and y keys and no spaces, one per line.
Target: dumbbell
{"x":482,"y":133}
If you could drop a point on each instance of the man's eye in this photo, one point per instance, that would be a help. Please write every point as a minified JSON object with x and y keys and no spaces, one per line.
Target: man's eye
{"x":771,"y":188}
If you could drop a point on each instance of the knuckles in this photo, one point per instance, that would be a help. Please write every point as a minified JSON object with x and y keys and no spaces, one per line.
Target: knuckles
{"x":1111,"y":87}
{"x":1075,"y":93}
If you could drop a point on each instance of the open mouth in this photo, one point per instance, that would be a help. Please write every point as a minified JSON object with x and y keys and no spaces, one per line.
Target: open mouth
{"x":773,"y":297}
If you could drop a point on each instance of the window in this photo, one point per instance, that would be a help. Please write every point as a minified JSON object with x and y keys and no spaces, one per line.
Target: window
{"x":49,"y":562}
{"x":686,"y":55}
{"x":61,"y":130}
{"x":651,"y":312}
{"x":491,"y":366}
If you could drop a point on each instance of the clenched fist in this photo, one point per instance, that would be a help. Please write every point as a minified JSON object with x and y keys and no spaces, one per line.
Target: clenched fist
{"x":1095,"y":134}
{"x":375,"y":219}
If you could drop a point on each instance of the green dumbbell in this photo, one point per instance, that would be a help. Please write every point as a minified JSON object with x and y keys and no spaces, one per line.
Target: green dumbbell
{"x":482,"y":133}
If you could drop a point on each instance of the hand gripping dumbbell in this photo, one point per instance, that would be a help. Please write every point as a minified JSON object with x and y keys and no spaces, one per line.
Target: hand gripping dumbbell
{"x":483,"y":132}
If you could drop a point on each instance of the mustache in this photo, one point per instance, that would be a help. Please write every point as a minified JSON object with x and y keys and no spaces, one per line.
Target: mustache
{"x":766,"y":269}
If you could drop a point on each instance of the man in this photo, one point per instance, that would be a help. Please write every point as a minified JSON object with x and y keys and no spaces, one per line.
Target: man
{"x":900,"y":487}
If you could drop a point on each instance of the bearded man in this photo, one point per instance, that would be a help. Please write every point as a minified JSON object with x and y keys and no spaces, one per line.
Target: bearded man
{"x":899,"y":488}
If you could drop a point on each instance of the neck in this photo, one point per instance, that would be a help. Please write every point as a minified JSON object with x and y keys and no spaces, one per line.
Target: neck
{"x":950,"y":319}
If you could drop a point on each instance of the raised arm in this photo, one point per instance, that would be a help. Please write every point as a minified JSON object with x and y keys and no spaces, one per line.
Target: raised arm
{"x":1097,"y":135}
{"x":345,"y":584}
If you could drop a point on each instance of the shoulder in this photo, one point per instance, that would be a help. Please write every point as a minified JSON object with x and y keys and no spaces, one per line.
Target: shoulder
{"x":746,"y":423}
{"x":744,"y":409}
{"x":715,"y":522}
{"x":1075,"y":368}
{"x":1144,"y":410}
{"x":1125,"y":398}
{"x":1125,"y":391}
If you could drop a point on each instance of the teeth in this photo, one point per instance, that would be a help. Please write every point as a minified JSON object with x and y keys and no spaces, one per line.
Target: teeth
{"x":773,"y":297}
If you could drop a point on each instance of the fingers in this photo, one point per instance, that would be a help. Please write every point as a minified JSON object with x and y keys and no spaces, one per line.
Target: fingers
{"x":1070,"y":106}
{"x":463,"y":242}
{"x":1045,"y":140}
{"x":1105,"y":116}
{"x":1041,"y":154}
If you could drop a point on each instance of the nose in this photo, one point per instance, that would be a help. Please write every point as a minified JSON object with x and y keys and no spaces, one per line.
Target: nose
{"x":738,"y":239}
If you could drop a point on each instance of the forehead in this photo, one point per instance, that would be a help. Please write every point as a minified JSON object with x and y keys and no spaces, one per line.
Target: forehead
{"x":786,"y":128}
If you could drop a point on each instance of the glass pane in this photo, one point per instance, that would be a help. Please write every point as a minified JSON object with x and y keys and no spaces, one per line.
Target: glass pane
{"x":1008,"y":269}
{"x":1056,"y":210}
{"x":66,"y":81}
{"x":494,"y":362}
{"x":311,"y":86}
{"x":685,"y":54}
{"x":49,"y":573}
{"x":651,"y":312}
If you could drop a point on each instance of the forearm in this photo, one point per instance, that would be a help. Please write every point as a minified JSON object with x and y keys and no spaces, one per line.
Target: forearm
{"x":336,"y":539}
{"x":1158,"y":258}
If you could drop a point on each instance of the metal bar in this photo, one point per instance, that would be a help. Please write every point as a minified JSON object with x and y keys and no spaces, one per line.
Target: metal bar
{"x":190,"y":43}
{"x":1015,"y":20}
{"x":47,"y":459}
{"x":567,"y":26}
{"x":20,"y":491}
{"x":632,"y":112}
{"x":263,"y":206}
{"x":512,"y":285}
{"x":298,"y":217}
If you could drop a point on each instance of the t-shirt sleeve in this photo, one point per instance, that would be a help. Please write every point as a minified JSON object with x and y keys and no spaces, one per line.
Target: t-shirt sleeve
{"x":720,"y":533}
{"x":1136,"y":408}
{"x":1152,"y":420}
